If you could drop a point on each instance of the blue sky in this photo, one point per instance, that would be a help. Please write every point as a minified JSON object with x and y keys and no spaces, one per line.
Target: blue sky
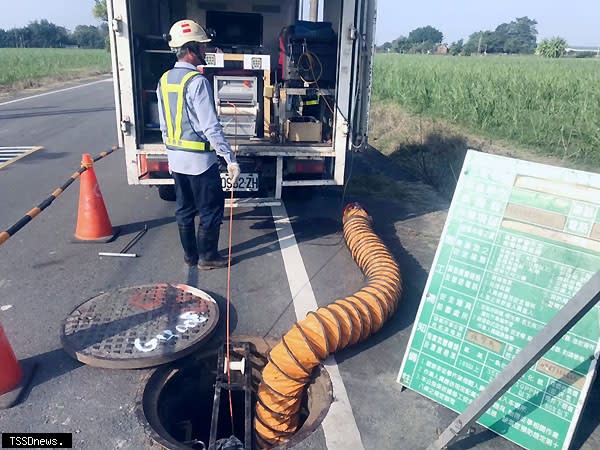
{"x":576,"y":20}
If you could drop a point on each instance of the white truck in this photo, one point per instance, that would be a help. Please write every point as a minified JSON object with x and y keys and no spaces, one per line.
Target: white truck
{"x":293,"y":95}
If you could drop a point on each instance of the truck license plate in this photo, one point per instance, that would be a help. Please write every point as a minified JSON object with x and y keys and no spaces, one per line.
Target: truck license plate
{"x":246,"y":182}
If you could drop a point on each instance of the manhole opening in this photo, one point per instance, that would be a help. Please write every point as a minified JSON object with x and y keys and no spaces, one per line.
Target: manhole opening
{"x":177,"y":402}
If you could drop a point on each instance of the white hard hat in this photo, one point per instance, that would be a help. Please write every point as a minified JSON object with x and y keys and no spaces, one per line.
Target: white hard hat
{"x":185,"y":31}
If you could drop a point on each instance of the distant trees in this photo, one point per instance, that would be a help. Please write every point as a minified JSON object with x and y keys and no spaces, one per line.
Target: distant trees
{"x":425,"y":34}
{"x":89,"y":36}
{"x":39,"y":34}
{"x":419,"y":40}
{"x":456,"y":48}
{"x":552,"y":48}
{"x":516,"y":37}
{"x":386,"y":47}
{"x":401,"y":45}
{"x":43,"y":34}
{"x":100,"y":11}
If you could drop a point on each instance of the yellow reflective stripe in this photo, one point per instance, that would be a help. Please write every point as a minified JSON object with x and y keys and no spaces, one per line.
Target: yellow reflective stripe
{"x":180,"y":103}
{"x":311,"y":102}
{"x":188,"y":145}
{"x":164,"y":87}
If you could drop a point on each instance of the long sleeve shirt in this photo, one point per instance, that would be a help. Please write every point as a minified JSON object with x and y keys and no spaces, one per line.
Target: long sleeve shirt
{"x":203,"y":117}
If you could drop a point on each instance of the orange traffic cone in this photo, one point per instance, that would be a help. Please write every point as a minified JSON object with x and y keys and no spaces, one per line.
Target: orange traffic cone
{"x":93,"y":223}
{"x":13,"y":379}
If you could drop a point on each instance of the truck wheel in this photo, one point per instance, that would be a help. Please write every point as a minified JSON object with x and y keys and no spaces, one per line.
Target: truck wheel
{"x":167,"y":192}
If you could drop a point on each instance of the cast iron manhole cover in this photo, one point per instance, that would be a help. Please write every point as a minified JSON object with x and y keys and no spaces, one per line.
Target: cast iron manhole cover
{"x":140,"y":326}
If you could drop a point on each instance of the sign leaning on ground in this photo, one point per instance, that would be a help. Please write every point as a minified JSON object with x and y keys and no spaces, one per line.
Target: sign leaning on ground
{"x":520,"y":240}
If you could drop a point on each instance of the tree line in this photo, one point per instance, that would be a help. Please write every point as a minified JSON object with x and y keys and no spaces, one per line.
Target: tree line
{"x":44,"y":34}
{"x":516,"y":37}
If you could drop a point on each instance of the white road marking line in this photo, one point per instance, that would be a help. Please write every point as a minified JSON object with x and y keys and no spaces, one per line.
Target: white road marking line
{"x":55,"y":92}
{"x":339,"y":426}
{"x":13,"y":154}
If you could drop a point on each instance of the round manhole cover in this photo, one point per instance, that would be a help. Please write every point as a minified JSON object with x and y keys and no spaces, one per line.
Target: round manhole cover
{"x":138,"y":327}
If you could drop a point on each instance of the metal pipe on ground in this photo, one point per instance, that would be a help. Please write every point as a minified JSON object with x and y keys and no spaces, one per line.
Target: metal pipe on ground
{"x":130,"y":244}
{"x":342,"y":323}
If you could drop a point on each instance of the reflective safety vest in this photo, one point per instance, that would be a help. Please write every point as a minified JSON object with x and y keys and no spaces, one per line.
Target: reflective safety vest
{"x":180,"y":132}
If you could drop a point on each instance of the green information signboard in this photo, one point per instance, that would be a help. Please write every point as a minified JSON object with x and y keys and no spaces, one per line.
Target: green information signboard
{"x":519,"y":241}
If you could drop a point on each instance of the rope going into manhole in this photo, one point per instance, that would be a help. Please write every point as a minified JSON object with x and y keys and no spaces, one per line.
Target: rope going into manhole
{"x":342,"y":323}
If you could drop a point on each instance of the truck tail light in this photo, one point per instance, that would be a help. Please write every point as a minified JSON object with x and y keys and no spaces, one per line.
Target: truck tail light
{"x":150,"y":165}
{"x":158,"y":165}
{"x":309,"y":166}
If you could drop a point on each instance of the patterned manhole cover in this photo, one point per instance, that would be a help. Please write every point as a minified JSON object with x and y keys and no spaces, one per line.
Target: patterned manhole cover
{"x":140,"y":326}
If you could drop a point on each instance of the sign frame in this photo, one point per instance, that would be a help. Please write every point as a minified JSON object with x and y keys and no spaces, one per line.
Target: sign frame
{"x":559,"y":182}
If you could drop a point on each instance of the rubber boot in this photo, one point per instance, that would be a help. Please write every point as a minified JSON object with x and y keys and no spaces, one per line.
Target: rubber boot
{"x":187,"y":235}
{"x":208,"y":245}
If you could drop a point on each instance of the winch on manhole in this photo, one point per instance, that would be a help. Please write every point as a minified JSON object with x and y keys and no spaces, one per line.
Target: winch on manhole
{"x":186,"y":405}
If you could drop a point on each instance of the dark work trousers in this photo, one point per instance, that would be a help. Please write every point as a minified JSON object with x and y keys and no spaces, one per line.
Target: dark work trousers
{"x":199,"y":194}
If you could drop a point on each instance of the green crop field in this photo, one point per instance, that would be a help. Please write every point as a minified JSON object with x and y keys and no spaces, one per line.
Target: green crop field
{"x":23,"y":67}
{"x":552,"y":106}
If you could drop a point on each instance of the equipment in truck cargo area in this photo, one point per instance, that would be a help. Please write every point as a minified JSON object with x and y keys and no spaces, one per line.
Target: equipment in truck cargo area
{"x":236,"y":100}
{"x":305,"y":95}
{"x":234,"y":29}
{"x":308,"y":53}
{"x":303,"y":129}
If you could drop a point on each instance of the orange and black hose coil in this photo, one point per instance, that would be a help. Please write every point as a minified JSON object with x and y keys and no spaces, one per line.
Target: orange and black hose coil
{"x":327,"y":330}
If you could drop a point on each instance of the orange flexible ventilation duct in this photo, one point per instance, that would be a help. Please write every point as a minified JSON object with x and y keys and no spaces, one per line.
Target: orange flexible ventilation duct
{"x":329,"y":329}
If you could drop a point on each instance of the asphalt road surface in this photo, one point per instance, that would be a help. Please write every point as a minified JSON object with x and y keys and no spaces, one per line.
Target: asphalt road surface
{"x":44,"y":276}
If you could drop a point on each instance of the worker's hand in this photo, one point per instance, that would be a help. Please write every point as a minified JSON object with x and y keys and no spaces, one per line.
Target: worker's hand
{"x":233,"y":170}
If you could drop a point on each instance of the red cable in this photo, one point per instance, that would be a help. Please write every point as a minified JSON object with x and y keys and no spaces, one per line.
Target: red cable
{"x":229,"y":281}
{"x":228,"y":306}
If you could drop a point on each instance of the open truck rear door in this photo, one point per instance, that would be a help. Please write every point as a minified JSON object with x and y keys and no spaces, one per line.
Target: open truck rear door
{"x":120,"y":47}
{"x":297,"y":125}
{"x":366,"y":19}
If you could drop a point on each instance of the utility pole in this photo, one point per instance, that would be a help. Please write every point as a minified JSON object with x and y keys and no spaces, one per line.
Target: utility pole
{"x":479,"y":45}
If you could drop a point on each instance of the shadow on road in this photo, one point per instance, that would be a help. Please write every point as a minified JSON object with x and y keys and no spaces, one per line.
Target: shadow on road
{"x":43,"y":155}
{"x":55,"y":113}
{"x":136,"y":227}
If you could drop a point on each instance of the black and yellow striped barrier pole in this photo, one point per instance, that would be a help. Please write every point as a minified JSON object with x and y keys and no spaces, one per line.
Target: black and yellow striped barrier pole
{"x":34,"y":212}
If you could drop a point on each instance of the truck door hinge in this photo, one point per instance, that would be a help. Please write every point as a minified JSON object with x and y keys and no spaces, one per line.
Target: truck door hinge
{"x":117,"y":24}
{"x":126,"y":126}
{"x":345,"y":128}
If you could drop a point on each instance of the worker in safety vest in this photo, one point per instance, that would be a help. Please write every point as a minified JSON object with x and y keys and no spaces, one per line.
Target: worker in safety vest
{"x":194,"y":137}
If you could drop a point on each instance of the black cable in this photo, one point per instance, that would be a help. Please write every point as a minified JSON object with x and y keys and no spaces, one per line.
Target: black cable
{"x":347,"y":180}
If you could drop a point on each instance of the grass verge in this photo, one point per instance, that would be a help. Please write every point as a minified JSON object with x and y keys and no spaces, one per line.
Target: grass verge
{"x":549,"y":106}
{"x":433,"y":150}
{"x":24,"y":68}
